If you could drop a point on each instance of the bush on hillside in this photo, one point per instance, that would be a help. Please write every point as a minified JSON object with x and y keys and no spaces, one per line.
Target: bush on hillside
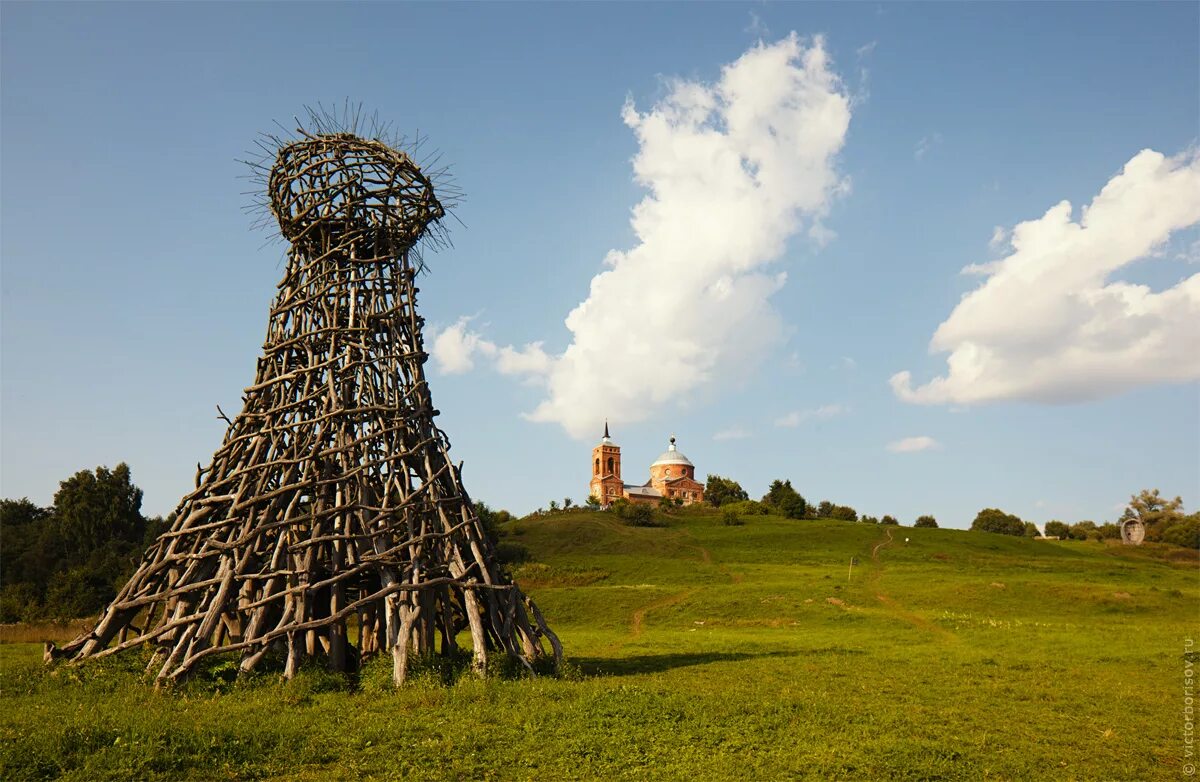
{"x":996,"y":520}
{"x":890,"y":520}
{"x":510,"y":553}
{"x":926,"y":521}
{"x":731,"y":519}
{"x":844,"y":513}
{"x":1185,"y":532}
{"x":1057,"y":529}
{"x":748,"y":508}
{"x":869,"y":519}
{"x":720,"y":491}
{"x":636,"y":514}
{"x":824,"y":509}
{"x":1084,"y":530}
{"x":785,"y":500}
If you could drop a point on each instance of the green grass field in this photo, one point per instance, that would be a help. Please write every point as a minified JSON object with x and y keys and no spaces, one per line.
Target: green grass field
{"x":702,"y":651}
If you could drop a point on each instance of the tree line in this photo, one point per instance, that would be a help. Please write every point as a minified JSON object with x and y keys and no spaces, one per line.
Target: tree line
{"x":1163,"y":518}
{"x":782,"y":499}
{"x":69,"y":559}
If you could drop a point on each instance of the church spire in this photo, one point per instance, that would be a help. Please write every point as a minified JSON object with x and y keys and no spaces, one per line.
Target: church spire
{"x":606,"y":429}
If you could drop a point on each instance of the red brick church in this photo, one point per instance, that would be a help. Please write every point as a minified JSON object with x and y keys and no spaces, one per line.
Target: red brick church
{"x":672,"y":476}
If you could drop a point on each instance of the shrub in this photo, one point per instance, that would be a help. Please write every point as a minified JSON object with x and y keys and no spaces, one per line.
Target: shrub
{"x":1184,"y":533}
{"x":1084,"y":530}
{"x":996,"y":520}
{"x":638,"y":515}
{"x":511,"y":553}
{"x":844,"y":513}
{"x":869,"y":519}
{"x":926,"y":521}
{"x":730,"y":519}
{"x":1057,"y":529}
{"x":748,"y":508}
{"x":890,"y":520}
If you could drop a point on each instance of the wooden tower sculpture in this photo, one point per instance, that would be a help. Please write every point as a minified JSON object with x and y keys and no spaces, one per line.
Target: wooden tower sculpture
{"x":332,"y":508}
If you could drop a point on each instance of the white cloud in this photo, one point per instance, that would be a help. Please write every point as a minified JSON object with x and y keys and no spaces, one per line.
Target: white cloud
{"x":927,"y":143}
{"x":757,"y":27}
{"x":1048,"y":325}
{"x":913,"y":444}
{"x":797,"y":417}
{"x":454,"y":348}
{"x":732,"y":433}
{"x":999,"y":238}
{"x":733,"y":170}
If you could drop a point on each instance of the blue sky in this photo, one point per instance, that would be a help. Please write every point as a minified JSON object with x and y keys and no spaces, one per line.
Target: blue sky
{"x":135,"y":296}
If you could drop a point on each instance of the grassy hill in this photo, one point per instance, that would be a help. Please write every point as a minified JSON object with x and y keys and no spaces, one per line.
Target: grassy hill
{"x":705,"y":651}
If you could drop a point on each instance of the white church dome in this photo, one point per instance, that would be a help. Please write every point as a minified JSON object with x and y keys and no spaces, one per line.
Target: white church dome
{"x":672,"y":456}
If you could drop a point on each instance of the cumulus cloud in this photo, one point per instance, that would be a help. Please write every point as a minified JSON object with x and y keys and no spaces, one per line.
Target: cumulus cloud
{"x":797,"y":417}
{"x":455,"y":348}
{"x":1049,"y":324}
{"x":733,"y":170}
{"x":913,"y":444}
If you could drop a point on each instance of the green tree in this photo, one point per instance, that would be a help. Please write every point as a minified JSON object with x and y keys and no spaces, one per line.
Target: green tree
{"x":785,"y":500}
{"x":926,"y":521}
{"x":1084,"y":530}
{"x":593,"y":502}
{"x":22,"y":527}
{"x":1156,"y":512}
{"x":844,"y":513}
{"x":1031,"y":530}
{"x":824,"y":509}
{"x":1185,"y":532}
{"x":487,"y":518}
{"x":720,"y":491}
{"x":639,"y":514}
{"x":567,"y":503}
{"x":93,"y":508}
{"x":996,"y":520}
{"x":889,"y":520}
{"x":1057,"y":529}
{"x":869,"y":519}
{"x":78,"y":592}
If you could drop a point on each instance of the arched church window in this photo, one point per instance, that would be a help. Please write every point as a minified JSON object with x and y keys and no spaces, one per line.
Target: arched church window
{"x":597,"y":466}
{"x":610,"y":464}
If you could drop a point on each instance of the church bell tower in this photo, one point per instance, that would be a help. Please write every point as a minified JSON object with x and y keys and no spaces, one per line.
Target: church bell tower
{"x":606,"y":484}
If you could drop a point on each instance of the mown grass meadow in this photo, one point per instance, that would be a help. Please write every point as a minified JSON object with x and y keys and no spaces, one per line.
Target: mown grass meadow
{"x":700,"y":651}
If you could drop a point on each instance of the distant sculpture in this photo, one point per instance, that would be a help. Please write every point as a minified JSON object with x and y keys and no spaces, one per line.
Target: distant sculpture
{"x":332,"y":504}
{"x":1133,"y":532}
